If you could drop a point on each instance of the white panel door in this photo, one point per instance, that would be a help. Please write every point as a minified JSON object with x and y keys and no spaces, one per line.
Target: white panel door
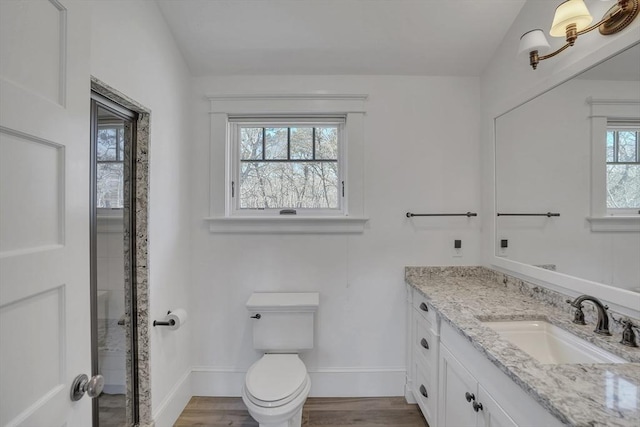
{"x":458,"y":390}
{"x":492,"y":414}
{"x":44,"y":211}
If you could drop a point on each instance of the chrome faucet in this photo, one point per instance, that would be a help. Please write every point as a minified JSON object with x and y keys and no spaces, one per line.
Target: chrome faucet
{"x":602,"y":327}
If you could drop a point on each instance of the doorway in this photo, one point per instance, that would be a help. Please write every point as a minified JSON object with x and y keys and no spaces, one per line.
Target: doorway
{"x":118,"y":250}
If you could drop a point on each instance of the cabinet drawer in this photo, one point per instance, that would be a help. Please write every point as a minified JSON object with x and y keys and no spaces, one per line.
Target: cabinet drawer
{"x":425,"y":341}
{"x":425,"y":393}
{"x":421,"y":305}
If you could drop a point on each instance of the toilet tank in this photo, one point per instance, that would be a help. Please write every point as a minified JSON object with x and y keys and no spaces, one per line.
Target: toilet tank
{"x":285,"y":323}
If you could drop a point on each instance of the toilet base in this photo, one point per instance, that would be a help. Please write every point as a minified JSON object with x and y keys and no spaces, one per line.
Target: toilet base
{"x":288,"y":415}
{"x":295,"y":421}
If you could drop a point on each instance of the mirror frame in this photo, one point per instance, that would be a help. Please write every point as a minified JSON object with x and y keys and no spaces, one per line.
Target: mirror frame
{"x":620,"y":300}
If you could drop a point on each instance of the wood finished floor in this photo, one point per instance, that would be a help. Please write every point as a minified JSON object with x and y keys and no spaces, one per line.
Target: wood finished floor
{"x":112,"y":412}
{"x":318,"y":411}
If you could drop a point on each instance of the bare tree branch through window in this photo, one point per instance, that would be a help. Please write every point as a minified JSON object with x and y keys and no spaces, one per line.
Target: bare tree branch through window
{"x":289,"y":167}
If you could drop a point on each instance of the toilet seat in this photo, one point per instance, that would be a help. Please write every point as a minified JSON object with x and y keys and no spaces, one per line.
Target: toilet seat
{"x":275,"y":380}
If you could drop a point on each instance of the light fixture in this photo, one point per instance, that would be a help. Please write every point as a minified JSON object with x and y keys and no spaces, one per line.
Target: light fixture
{"x":572,"y":18}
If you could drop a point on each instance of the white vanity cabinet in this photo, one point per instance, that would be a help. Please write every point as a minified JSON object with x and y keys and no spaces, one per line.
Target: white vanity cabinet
{"x":456,"y":385}
{"x":422,"y":355}
{"x":464,"y":402}
{"x":474,"y":392}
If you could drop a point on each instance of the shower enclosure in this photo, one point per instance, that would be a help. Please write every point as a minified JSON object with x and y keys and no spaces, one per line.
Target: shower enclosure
{"x":113,"y":130}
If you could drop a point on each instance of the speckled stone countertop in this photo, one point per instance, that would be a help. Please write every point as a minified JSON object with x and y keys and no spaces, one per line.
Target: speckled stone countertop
{"x":576,"y":394}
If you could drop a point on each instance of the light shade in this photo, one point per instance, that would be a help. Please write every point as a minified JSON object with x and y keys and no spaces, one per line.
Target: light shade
{"x":533,"y":40}
{"x":570,"y":12}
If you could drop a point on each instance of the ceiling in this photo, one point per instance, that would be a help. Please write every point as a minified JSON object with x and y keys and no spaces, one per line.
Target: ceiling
{"x":377,"y":37}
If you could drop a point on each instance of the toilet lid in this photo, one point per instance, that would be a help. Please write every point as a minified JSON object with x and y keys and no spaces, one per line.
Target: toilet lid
{"x":275,"y":377}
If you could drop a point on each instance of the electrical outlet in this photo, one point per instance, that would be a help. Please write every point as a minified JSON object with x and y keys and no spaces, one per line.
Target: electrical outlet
{"x":457,"y":248}
{"x":502,"y":248}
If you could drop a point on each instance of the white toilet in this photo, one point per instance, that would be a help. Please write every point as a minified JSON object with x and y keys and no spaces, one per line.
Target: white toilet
{"x":277,"y":385}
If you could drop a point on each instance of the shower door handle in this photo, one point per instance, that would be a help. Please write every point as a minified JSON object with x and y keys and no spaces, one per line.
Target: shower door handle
{"x":92,"y":386}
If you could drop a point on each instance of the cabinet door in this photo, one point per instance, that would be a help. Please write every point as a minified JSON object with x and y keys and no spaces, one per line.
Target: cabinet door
{"x":455,"y":382}
{"x":492,"y":414}
{"x":425,"y":391}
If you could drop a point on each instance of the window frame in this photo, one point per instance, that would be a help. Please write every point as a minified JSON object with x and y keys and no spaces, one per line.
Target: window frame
{"x":224,"y":106}
{"x":617,"y":126}
{"x":603,"y":112}
{"x":235,"y":125}
{"x":119,"y":127}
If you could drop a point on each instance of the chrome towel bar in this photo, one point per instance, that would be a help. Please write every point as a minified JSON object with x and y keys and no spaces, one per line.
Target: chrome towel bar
{"x":548,"y":214}
{"x":468,"y":214}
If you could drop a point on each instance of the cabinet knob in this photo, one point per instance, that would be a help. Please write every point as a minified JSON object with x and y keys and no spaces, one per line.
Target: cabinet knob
{"x":424,"y":307}
{"x":424,"y":343}
{"x":477,"y":406}
{"x":470,"y":397}
{"x":423,"y":391}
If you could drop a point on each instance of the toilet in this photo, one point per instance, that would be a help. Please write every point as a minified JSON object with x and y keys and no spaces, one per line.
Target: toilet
{"x":276,"y":386}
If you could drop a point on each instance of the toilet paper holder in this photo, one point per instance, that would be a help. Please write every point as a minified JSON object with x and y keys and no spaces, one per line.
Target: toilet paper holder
{"x":169,"y":322}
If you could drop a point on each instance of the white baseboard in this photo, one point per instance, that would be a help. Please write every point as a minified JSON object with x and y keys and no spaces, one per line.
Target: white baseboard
{"x":357,"y":382}
{"x":408,"y":393}
{"x":325,"y":382}
{"x":172,"y":406}
{"x":213,"y":381}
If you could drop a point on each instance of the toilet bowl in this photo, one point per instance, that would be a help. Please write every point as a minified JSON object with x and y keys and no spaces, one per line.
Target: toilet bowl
{"x":275,"y":389}
{"x":276,"y":386}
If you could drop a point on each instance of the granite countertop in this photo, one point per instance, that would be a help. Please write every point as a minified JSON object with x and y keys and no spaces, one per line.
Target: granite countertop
{"x":576,"y":394}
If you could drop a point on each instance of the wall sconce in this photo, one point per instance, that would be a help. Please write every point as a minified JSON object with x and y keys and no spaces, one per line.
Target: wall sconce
{"x":572,"y":18}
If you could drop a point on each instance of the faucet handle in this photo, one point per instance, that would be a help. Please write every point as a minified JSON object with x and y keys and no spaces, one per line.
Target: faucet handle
{"x":574,"y":303}
{"x":628,"y":336}
{"x":578,"y":315}
{"x":623,"y":321}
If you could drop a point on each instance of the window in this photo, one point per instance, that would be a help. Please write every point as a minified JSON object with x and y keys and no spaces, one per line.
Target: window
{"x":287,"y":164}
{"x":615,"y":166}
{"x":110,"y":165}
{"x":623,"y":167}
{"x":282,"y":152}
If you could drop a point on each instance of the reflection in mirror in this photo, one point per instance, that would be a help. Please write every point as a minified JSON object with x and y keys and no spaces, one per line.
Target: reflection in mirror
{"x":112,"y":346}
{"x":551,"y":156}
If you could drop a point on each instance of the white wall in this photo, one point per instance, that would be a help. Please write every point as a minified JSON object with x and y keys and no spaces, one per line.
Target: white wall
{"x":421,"y":155}
{"x":133,"y":51}
{"x":509,"y":81}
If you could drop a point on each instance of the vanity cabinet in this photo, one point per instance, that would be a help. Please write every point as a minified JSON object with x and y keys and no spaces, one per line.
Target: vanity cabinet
{"x":474,"y":392}
{"x":422,"y":355}
{"x":444,"y":370}
{"x":464,"y":402}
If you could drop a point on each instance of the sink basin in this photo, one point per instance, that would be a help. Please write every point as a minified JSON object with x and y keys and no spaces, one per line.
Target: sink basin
{"x":549,"y":344}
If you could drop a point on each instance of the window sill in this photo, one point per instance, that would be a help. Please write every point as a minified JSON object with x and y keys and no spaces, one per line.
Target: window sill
{"x":287,"y":225}
{"x":615,"y":223}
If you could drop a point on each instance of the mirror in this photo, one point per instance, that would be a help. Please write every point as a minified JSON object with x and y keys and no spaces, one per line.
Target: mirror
{"x":545,"y":163}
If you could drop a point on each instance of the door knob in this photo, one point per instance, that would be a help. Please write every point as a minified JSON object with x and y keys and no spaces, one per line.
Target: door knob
{"x":92,"y":386}
{"x":423,"y":391}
